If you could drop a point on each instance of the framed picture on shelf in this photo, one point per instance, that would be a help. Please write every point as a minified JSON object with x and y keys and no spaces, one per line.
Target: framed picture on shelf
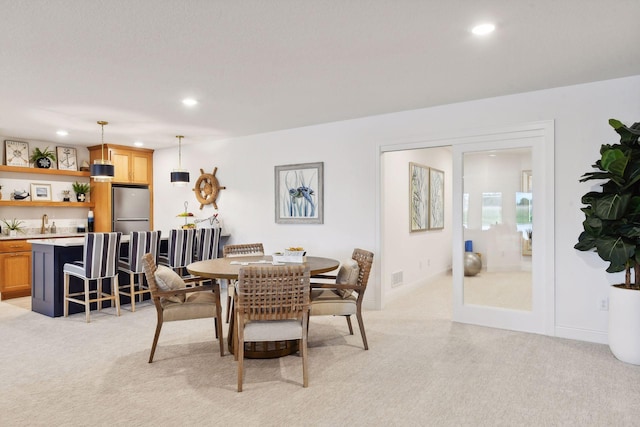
{"x":40,"y":192}
{"x":16,"y":153}
{"x":299,"y":193}
{"x":418,"y":197}
{"x":67,"y":158}
{"x":436,"y":199}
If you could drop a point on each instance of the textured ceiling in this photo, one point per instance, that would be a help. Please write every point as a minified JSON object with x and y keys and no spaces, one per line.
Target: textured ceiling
{"x":258,"y":66}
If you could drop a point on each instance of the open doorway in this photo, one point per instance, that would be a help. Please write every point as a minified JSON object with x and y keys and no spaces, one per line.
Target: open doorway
{"x":407,"y":258}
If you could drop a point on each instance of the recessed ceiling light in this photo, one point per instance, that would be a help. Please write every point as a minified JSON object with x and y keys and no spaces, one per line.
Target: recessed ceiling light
{"x":483,"y":29}
{"x":62,"y":132}
{"x":189,"y":102}
{"x":138,"y":143}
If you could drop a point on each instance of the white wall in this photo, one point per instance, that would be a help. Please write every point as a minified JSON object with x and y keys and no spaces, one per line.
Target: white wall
{"x":350,"y":152}
{"x":424,"y":254}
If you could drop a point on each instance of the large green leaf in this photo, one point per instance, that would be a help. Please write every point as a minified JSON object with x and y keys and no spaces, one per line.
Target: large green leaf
{"x":612,"y":206}
{"x":615,"y":250}
{"x":627,"y":135}
{"x":615,"y":161}
{"x":586,"y":242}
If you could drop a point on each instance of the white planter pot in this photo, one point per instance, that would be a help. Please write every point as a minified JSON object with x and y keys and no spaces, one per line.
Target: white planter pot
{"x":624,"y":324}
{"x":13,"y":233}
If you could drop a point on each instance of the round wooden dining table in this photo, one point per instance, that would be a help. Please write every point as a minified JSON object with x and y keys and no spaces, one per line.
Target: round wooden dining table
{"x":229,"y":268}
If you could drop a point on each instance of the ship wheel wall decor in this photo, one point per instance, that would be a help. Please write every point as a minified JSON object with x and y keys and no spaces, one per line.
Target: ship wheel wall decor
{"x":207,"y":188}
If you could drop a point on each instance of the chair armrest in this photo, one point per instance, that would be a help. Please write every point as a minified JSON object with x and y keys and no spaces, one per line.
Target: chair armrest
{"x":184,"y":291}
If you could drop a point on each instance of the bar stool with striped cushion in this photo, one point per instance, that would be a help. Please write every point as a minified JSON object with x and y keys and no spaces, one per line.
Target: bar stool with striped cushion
{"x":140,"y":243}
{"x":180,"y":250}
{"x":207,"y":240}
{"x":100,"y":262}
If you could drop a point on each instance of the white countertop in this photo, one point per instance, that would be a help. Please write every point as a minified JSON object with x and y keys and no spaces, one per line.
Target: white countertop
{"x":21,"y":236}
{"x":59,"y":241}
{"x":67,"y":241}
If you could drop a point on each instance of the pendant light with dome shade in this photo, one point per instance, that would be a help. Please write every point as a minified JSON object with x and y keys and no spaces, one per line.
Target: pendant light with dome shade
{"x":102,"y":170}
{"x":179,"y":177}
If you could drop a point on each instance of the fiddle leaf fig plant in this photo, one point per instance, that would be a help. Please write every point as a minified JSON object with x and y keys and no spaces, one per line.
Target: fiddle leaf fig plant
{"x":612,"y":216}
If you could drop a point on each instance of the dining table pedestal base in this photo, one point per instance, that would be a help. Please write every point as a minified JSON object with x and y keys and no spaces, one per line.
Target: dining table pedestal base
{"x":268,"y":349}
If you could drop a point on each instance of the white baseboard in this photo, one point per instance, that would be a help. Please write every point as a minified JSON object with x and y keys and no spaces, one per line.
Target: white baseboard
{"x":582,"y":335}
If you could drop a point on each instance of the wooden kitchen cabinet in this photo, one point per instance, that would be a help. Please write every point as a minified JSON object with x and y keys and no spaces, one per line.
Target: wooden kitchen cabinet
{"x":15,"y":269}
{"x":131,"y":165}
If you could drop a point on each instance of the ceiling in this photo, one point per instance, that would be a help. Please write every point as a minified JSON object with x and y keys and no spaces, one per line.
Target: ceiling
{"x":258,"y":66}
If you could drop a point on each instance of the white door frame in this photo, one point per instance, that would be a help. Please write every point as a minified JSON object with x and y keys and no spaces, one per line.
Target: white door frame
{"x":543,"y":261}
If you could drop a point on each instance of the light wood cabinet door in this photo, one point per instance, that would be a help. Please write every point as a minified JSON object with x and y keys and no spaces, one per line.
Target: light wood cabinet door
{"x":15,"y":274}
{"x":141,"y":168}
{"x":121,"y":163}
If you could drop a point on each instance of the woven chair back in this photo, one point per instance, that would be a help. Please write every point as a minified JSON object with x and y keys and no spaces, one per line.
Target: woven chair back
{"x":273,"y":293}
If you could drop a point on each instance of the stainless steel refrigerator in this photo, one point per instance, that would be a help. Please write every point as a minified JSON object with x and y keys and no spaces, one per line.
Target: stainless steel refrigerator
{"x":131,"y":209}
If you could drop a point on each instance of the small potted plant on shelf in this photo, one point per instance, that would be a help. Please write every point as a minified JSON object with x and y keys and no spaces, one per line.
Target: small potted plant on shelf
{"x":13,"y":226}
{"x":42,"y":158}
{"x":81,"y":189}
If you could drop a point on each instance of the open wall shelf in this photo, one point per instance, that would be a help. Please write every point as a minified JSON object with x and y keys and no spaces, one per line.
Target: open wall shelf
{"x":16,"y":169}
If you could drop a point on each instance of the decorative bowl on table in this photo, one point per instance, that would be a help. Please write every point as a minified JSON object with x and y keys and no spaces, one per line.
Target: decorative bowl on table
{"x":290,"y":255}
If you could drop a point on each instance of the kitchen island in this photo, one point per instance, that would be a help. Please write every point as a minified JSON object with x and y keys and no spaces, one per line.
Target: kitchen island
{"x":47,"y":269}
{"x":47,"y":282}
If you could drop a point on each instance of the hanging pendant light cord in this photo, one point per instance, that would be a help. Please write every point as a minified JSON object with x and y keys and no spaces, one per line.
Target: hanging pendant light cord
{"x":102,"y":123}
{"x":180,"y":151}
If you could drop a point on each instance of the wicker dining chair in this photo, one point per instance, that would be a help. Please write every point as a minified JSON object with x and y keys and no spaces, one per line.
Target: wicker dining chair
{"x":272,"y":304}
{"x":228,"y":251}
{"x":344,"y":296}
{"x":179,"y":302}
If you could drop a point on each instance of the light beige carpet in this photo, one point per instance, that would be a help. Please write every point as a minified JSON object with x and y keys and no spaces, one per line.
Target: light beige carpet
{"x":421,"y":370}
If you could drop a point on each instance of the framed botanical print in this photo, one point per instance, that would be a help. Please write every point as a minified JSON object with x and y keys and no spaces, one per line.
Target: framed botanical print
{"x":418,"y":197}
{"x":299,"y":193}
{"x":16,"y":153}
{"x":67,"y":158}
{"x":436,"y":199}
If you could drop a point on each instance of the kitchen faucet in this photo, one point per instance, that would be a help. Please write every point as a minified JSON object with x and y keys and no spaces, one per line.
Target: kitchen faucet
{"x":45,"y":221}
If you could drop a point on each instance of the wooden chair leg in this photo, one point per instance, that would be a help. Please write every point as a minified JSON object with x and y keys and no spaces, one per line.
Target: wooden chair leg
{"x":155,"y":337}
{"x":66,"y":295}
{"x":240,"y":354}
{"x":229,"y":302}
{"x":87,"y":304}
{"x":218,"y":321}
{"x":132,"y":291}
{"x":115,"y":293}
{"x":349,"y":323}
{"x":304,"y":351}
{"x":98,"y":294}
{"x":361,"y":323}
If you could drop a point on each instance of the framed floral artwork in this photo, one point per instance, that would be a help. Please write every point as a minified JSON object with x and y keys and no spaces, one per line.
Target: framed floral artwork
{"x":299,"y":193}
{"x":436,"y":199}
{"x":418,"y":197}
